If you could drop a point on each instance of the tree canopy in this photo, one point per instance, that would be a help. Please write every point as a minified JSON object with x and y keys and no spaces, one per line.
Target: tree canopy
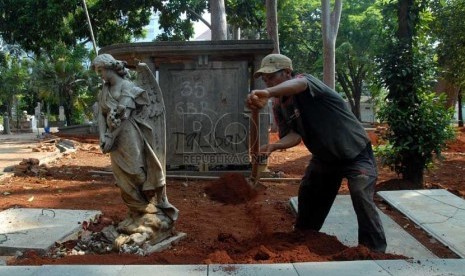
{"x":37,"y":25}
{"x":40,"y":26}
{"x":449,"y":27}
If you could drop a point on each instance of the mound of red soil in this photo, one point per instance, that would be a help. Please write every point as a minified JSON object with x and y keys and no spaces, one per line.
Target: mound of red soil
{"x":230,"y":188}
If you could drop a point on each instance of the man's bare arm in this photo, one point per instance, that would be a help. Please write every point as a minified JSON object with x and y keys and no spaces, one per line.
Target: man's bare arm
{"x":257,"y":99}
{"x":288,"y":88}
{"x":290,"y":140}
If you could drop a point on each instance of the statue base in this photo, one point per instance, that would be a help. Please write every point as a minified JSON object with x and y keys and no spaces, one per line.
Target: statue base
{"x":140,"y":243}
{"x":165,"y":244}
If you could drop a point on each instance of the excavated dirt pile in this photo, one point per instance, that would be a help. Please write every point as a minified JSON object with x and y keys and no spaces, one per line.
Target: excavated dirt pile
{"x":231,"y":188}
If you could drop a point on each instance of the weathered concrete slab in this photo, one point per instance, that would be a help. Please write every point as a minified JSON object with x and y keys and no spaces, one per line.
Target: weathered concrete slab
{"x":352,"y":268}
{"x":19,"y":270}
{"x":38,"y":229}
{"x":79,"y":270}
{"x":424,"y":267}
{"x":439,"y":212}
{"x":165,"y":270}
{"x":342,"y":223}
{"x":253,"y":270}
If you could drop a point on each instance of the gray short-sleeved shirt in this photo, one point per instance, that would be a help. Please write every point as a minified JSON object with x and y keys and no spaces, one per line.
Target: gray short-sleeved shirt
{"x":328,"y":127}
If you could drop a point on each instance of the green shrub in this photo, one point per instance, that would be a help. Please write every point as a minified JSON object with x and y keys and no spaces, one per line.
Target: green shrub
{"x":417,"y":133}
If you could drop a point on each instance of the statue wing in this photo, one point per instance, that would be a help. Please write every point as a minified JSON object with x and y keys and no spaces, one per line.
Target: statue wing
{"x":146,"y":80}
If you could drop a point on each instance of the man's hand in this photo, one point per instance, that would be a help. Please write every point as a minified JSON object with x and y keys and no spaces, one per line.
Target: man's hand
{"x":257,"y":99}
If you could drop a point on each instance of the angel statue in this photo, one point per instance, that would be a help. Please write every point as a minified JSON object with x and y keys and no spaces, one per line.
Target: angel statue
{"x":131,"y":122}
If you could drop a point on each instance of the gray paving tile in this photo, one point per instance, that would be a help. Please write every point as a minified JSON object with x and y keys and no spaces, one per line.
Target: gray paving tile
{"x":79,"y":270}
{"x":38,"y":229}
{"x":439,"y":212}
{"x":352,"y":268}
{"x":432,"y":267}
{"x":253,"y":270}
{"x":446,"y":205}
{"x":165,"y":270}
{"x":342,"y":223}
{"x":18,"y":270}
{"x":426,"y":267}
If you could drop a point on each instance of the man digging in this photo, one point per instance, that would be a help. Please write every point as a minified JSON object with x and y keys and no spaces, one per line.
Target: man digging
{"x":307,"y":110}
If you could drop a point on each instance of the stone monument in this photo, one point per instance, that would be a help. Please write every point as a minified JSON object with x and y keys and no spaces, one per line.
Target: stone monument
{"x":206,"y":83}
{"x":131,"y":122}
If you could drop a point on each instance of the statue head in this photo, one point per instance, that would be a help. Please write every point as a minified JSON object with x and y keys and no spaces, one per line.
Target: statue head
{"x":107,"y":61}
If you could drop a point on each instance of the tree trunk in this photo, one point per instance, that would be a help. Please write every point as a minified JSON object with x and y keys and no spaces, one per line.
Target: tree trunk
{"x":68,"y":106}
{"x":451,"y":90}
{"x":405,"y":32}
{"x":68,"y":109}
{"x":406,"y":96}
{"x":272,"y":23}
{"x":414,"y":168}
{"x":6,"y":124}
{"x":356,"y":110}
{"x":459,"y":103}
{"x":68,"y":114}
{"x":218,"y":20}
{"x":330,"y":25}
{"x":352,"y":88}
{"x":357,"y":87}
{"x":404,"y":14}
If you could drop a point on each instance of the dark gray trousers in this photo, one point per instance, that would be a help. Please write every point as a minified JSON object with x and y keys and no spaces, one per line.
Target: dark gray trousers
{"x":319,"y":188}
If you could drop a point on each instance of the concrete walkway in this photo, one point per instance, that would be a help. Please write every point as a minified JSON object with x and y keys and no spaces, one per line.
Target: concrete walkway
{"x":437,"y":211}
{"x":452,"y":267}
{"x":342,"y":223}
